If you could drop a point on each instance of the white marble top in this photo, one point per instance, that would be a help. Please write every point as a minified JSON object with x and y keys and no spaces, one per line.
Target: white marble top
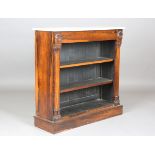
{"x":75,"y":28}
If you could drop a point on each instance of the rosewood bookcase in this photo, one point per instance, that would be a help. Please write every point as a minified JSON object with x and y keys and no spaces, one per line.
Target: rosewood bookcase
{"x":76,"y":76}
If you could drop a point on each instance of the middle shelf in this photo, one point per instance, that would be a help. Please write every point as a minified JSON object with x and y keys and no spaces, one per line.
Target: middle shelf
{"x":83,"y":62}
{"x":85,"y":77}
{"x":85,"y":84}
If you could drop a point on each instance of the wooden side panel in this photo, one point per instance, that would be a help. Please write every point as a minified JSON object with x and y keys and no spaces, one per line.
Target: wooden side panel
{"x":36,"y":76}
{"x":43,"y":70}
{"x":85,"y":36}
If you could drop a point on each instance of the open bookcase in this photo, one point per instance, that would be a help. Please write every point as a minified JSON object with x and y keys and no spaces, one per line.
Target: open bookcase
{"x":86,"y":75}
{"x":77,"y":77}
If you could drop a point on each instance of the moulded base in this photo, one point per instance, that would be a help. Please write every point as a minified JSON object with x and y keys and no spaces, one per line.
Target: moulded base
{"x":78,"y":119}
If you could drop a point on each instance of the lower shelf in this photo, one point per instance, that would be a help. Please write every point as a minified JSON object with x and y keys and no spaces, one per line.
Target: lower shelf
{"x":84,"y":106}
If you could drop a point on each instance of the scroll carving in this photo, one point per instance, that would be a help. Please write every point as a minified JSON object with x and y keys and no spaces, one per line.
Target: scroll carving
{"x":119,"y":38}
{"x":56,"y":115}
{"x":57,"y":41}
{"x":116,"y":100}
{"x":58,"y":38}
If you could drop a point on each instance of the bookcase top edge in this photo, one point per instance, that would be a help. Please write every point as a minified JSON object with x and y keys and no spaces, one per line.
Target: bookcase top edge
{"x":61,"y":29}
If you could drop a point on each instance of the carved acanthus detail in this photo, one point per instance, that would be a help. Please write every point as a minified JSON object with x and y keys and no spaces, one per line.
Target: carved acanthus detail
{"x":119,"y":38}
{"x":56,"y":115}
{"x":116,"y":100}
{"x":58,"y":38}
{"x":120,"y":33}
{"x":57,"y":41}
{"x":56,"y":47}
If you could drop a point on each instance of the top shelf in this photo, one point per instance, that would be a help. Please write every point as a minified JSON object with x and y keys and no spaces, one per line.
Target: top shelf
{"x":85,"y":62}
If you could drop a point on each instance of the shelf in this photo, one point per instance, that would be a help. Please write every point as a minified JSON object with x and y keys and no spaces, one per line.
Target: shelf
{"x":85,"y":84}
{"x":85,"y":106}
{"x":84,"y":62}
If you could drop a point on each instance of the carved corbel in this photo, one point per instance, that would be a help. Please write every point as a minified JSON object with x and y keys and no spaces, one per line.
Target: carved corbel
{"x":119,"y":38}
{"x":56,"y":115}
{"x":57,"y":41}
{"x":116,"y":100}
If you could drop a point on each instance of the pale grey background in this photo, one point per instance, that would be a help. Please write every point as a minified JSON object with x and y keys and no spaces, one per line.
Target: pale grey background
{"x":137,"y":84}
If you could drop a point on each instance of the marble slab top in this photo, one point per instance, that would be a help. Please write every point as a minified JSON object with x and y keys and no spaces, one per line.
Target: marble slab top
{"x":58,"y":29}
